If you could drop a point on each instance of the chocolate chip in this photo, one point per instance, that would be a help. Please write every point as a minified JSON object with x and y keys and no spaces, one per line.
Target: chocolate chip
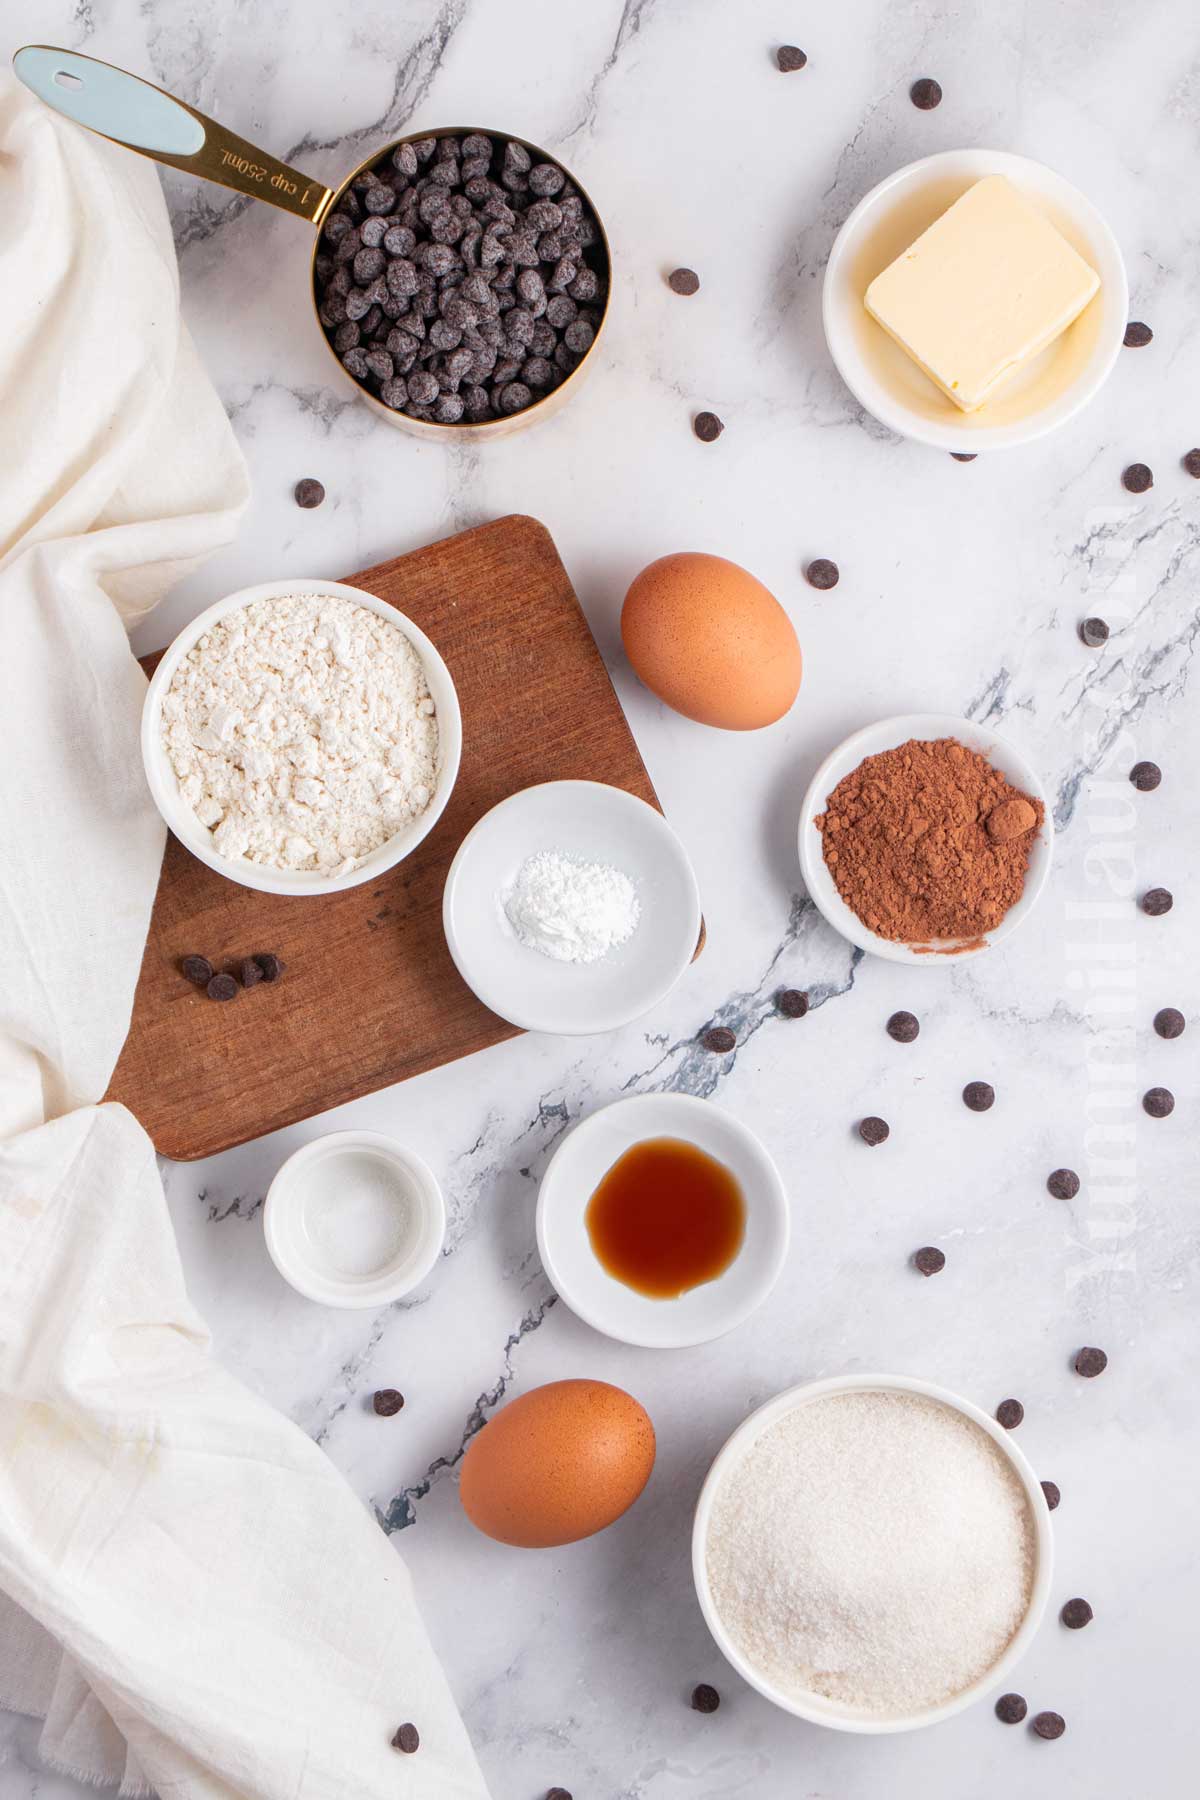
{"x":1137,"y":478}
{"x":250,"y":971}
{"x":822,"y":574}
{"x":1169,"y":1022}
{"x":1159,"y":1102}
{"x":408,"y":1739}
{"x":1094,"y":632}
{"x":720,"y":1040}
{"x":930,"y":1260}
{"x":979,"y":1096}
{"x":271,"y":966}
{"x":1011,"y":1709}
{"x":309,"y":492}
{"x":1051,"y":1490}
{"x":1076,"y":1614}
{"x":1145,"y":777}
{"x":1137,"y":335}
{"x":222,"y":987}
{"x":558,"y":1794}
{"x":925,"y":93}
{"x":1049,"y":1725}
{"x":1090,"y":1362}
{"x":705,"y":1699}
{"x":874,"y":1131}
{"x":683,"y":281}
{"x":789,"y":58}
{"x":1063,"y":1184}
{"x":387,"y":1402}
{"x":1009,"y":1413}
{"x":197,"y":969}
{"x":707,"y":427}
{"x":1157,"y":901}
{"x":1191,"y":463}
{"x":792,"y":1003}
{"x":964,"y":455}
{"x":903,"y":1026}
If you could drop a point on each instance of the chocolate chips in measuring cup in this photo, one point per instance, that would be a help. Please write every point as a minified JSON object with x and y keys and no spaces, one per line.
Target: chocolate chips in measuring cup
{"x":459,"y":280}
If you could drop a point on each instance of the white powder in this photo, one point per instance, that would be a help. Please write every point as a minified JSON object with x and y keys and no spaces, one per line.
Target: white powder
{"x":876,"y":1548}
{"x":358,"y":1215}
{"x":302,"y":732}
{"x":570,"y":909}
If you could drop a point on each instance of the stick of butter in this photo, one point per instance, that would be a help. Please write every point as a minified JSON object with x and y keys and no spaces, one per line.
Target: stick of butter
{"x":986,"y":287}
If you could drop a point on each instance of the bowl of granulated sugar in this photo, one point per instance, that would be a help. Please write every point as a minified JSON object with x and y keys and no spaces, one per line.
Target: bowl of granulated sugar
{"x":872,"y":1553}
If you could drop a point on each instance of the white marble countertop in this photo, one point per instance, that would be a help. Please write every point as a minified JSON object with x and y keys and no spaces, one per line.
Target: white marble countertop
{"x":961,"y":589}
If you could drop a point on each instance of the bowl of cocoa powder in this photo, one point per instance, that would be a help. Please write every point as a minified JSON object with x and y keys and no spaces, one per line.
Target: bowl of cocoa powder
{"x":925,"y":836}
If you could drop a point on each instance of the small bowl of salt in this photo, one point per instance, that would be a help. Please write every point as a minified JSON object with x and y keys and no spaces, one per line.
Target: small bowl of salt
{"x":354,"y":1219}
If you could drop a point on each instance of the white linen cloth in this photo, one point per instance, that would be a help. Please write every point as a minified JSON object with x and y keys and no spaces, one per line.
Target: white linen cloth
{"x":189,"y":1594}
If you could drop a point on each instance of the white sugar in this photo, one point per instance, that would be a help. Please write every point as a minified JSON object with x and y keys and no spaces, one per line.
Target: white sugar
{"x":876,"y":1548}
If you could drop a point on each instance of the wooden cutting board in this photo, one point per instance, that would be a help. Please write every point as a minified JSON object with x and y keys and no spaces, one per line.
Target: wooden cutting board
{"x":370,"y":994}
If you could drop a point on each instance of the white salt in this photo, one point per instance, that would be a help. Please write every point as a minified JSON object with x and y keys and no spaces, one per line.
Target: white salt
{"x":358,"y":1214}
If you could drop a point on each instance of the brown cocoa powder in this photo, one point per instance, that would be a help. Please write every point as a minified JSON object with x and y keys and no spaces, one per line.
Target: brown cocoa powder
{"x":929,"y":842}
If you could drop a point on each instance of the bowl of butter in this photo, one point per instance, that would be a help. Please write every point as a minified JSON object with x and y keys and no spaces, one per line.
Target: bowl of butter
{"x":974,"y":301}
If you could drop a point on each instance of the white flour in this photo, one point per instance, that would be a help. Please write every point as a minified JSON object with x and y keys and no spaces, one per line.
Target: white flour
{"x":570,"y":909}
{"x":876,"y":1548}
{"x":302,"y":732}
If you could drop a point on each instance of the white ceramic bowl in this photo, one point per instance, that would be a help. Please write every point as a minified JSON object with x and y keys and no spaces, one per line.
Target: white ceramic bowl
{"x":886,"y":381}
{"x":598,"y":823}
{"x":186,"y":826}
{"x":888,"y":734}
{"x":577,"y":1167}
{"x":333,"y":1250}
{"x":816,"y":1707}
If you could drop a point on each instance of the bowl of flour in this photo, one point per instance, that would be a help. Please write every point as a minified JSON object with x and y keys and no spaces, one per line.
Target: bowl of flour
{"x":301,"y":737}
{"x":872,"y":1553}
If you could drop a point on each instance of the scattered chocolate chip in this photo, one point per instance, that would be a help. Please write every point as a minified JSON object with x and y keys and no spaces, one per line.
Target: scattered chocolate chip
{"x":1063,"y":1184}
{"x":1053,"y":1496}
{"x":1011,"y":1709}
{"x":705,"y":1699}
{"x":271,"y":966}
{"x":930,"y":1260}
{"x":792,"y":1003}
{"x":1137,"y":335}
{"x":1090,"y":1362}
{"x":874,"y":1131}
{"x":1170,"y":1022}
{"x":978,"y":1096}
{"x":387,"y":1402}
{"x":1145,"y":776}
{"x":925,"y":94}
{"x":197,"y":969}
{"x":1159,"y":1102}
{"x":1137,"y":478}
{"x":558,"y":1794}
{"x":683,"y":281}
{"x":1049,"y":1725}
{"x":964,"y":455}
{"x":822,"y":574}
{"x":1009,"y":1413}
{"x":309,"y":493}
{"x":903,"y":1026}
{"x":707,"y":427}
{"x":1191,"y":463}
{"x":250,"y":971}
{"x":1076,"y":1614}
{"x":720,"y":1040}
{"x":1157,"y":901}
{"x":222,"y":987}
{"x":408,"y":1739}
{"x":1094,"y":632}
{"x":789,"y":58}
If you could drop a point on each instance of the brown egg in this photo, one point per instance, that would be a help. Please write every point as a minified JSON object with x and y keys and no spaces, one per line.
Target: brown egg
{"x":711,"y":641}
{"x":557,"y":1464}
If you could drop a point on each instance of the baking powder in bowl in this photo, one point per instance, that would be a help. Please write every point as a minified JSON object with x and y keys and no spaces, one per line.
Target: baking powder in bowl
{"x":876,"y":1548}
{"x":571,"y":909}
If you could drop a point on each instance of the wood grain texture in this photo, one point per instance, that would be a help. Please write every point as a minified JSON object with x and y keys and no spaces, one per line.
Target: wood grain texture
{"x":370,"y":995}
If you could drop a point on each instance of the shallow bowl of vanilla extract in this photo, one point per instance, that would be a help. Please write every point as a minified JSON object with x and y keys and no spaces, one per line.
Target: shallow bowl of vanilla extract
{"x":731,"y":1266}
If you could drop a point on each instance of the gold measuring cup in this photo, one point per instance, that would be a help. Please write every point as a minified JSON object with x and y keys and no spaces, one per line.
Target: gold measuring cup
{"x":132,"y":112}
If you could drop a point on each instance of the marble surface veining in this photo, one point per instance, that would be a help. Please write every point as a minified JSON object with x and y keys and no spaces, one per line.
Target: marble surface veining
{"x":962,"y":586}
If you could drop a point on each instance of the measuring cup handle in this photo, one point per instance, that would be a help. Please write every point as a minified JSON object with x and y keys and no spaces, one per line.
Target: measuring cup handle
{"x":139,"y":115}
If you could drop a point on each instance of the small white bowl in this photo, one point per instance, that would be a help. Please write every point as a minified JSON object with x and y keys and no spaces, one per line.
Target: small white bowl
{"x":888,"y":734}
{"x":328,"y":1228}
{"x":186,"y":826}
{"x":886,"y":381}
{"x":597,"y":823}
{"x":579,"y":1165}
{"x":817,"y":1708}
